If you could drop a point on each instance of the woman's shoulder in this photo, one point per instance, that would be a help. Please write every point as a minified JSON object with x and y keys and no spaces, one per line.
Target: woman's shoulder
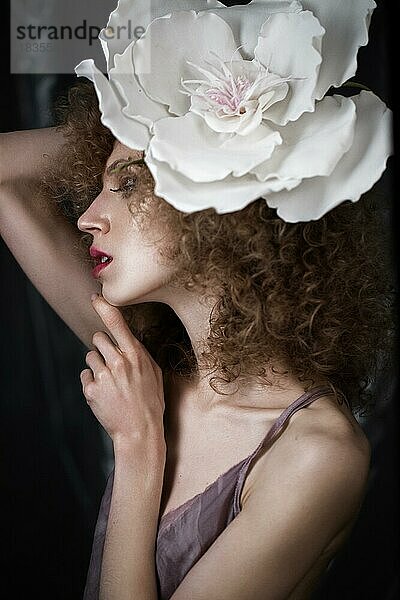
{"x":327,"y":432}
{"x":333,"y":425}
{"x":323,"y":441}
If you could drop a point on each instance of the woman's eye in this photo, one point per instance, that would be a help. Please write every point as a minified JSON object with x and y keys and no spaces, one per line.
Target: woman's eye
{"x":126,"y":187}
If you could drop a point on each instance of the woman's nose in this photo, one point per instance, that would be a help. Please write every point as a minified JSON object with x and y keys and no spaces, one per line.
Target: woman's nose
{"x":94,"y":219}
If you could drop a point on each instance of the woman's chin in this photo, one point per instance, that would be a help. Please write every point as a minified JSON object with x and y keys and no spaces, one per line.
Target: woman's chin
{"x":112,"y":298}
{"x":119,"y":300}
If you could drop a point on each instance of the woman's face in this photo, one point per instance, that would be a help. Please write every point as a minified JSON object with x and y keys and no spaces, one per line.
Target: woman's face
{"x":132,"y":272}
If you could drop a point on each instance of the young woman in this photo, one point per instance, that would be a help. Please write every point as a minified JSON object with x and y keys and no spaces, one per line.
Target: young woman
{"x":216,"y":324}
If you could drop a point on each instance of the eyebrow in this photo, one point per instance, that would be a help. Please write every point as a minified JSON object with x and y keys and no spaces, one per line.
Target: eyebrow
{"x":123,"y":162}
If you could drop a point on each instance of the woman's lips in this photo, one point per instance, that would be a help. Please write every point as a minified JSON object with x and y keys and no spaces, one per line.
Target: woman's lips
{"x":101,"y":259}
{"x":100,"y":267}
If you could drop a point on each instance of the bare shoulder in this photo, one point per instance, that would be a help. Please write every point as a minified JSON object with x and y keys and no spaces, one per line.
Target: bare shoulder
{"x":323,"y":448}
{"x":325,"y":423}
{"x":327,"y":432}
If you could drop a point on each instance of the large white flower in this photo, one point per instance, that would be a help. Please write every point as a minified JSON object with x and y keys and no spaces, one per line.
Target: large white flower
{"x":230,"y":104}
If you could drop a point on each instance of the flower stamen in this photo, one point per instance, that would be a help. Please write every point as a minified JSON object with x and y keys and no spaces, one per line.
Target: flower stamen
{"x":226,"y":92}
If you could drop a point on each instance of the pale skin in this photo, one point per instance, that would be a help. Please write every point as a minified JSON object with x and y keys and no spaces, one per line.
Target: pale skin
{"x":300,"y":499}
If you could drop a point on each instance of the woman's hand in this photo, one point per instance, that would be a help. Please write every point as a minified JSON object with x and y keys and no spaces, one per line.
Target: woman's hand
{"x":124,"y":385}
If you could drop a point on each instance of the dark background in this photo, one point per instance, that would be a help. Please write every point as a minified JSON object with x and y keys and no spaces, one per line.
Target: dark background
{"x":55,"y":457}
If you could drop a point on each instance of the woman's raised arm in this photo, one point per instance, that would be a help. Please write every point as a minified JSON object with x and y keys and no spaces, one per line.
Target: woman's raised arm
{"x":42,"y":240}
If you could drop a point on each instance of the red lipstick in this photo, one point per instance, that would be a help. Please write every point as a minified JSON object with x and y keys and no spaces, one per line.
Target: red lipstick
{"x":101,"y":260}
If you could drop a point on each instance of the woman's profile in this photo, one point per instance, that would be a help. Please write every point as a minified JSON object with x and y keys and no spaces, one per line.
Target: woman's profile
{"x":210,"y":231}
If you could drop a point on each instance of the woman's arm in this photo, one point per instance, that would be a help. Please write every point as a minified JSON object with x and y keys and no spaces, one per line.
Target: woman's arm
{"x":128,"y":568}
{"x":124,"y":389}
{"x":43,"y":242}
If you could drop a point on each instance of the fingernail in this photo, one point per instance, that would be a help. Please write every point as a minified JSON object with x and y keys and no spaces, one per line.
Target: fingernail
{"x":93,"y":297}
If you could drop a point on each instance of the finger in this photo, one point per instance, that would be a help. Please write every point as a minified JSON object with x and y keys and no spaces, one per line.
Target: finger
{"x":110,"y":352}
{"x":96,"y":362}
{"x":86,"y":377}
{"x":87,"y":382}
{"x":116,"y":324}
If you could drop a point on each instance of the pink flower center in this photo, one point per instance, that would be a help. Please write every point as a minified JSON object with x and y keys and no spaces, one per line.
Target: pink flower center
{"x":228,"y":87}
{"x":232,"y":95}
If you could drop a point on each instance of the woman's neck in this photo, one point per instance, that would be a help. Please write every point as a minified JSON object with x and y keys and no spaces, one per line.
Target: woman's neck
{"x":195,"y":312}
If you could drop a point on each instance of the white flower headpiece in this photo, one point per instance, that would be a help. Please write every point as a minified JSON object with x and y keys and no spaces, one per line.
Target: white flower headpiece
{"x":229,"y":104}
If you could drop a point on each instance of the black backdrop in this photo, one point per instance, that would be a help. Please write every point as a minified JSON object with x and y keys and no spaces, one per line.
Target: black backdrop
{"x":55,"y":456}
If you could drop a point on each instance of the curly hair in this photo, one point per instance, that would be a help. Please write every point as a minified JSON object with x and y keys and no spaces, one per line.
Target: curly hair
{"x":317,"y":297}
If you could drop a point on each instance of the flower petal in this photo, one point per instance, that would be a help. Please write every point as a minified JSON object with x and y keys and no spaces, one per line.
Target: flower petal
{"x":356,"y":172}
{"x":128,"y":16}
{"x":129,"y":131}
{"x":228,"y":195}
{"x":199,"y":153}
{"x":246,"y":21}
{"x":314,"y":144}
{"x":346,"y":23}
{"x":161,"y":63}
{"x":137,"y":104}
{"x":288,"y":46}
{"x":248,"y":122}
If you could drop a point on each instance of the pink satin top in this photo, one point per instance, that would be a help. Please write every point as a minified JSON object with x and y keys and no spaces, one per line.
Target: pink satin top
{"x":186,"y":533}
